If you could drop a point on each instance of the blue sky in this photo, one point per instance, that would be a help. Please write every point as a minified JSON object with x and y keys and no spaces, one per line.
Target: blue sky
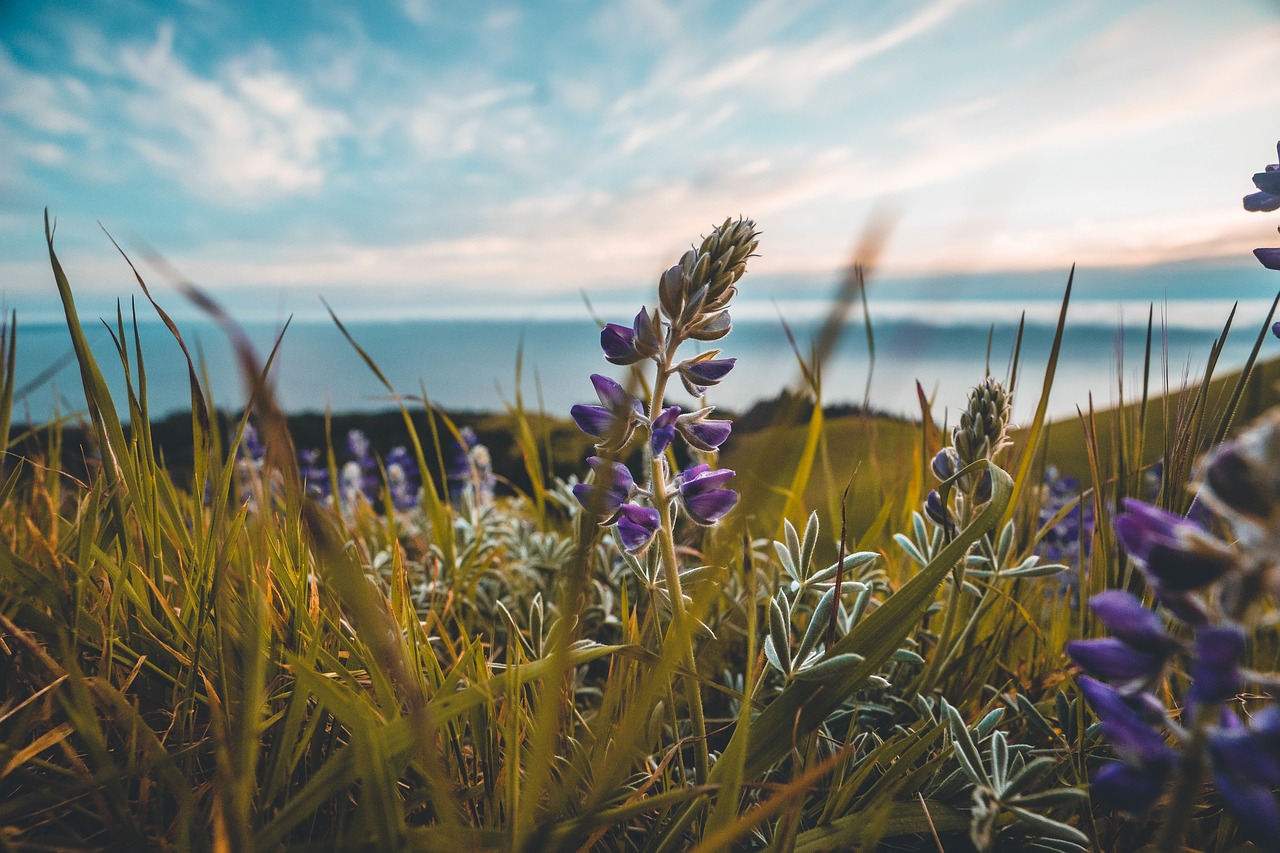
{"x":427,"y":151}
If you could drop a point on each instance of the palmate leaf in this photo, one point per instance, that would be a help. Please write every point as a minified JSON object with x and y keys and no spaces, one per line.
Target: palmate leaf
{"x":801,"y":707}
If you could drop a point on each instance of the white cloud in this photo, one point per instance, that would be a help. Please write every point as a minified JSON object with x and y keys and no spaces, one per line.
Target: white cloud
{"x":248,"y":132}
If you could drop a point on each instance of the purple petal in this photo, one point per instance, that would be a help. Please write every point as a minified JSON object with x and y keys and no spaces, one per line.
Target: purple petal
{"x":709,"y":507}
{"x":619,"y":344}
{"x":1112,"y":659}
{"x":1141,"y":526}
{"x":1215,"y":664}
{"x":1268,"y":181}
{"x":614,"y":474}
{"x":707,"y":372}
{"x":944,"y":463}
{"x":636,"y":526}
{"x":1128,"y":620}
{"x":1127,"y":788}
{"x":1254,"y":808}
{"x":1230,"y":478}
{"x":700,"y":479}
{"x":599,"y":500}
{"x":593,"y":420}
{"x":706,"y":434}
{"x":663,"y":429}
{"x":612,"y":395}
{"x":648,"y":337}
{"x":1261,"y":202}
{"x":1242,"y":753}
{"x":1275,"y":328}
{"x":1269,"y":258}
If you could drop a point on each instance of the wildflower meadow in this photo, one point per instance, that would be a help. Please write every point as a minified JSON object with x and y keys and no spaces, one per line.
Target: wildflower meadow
{"x":822,"y":633}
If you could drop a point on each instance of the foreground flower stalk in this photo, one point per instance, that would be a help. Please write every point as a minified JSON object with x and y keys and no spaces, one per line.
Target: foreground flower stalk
{"x":693,"y":297}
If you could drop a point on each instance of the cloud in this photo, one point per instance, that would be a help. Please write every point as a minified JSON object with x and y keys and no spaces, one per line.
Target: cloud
{"x":247,"y":132}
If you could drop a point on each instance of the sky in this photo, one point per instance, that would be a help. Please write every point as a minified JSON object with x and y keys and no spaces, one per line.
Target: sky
{"x":419,"y":153}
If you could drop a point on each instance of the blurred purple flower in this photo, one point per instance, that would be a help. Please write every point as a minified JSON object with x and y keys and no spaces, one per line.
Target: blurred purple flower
{"x":251,"y":446}
{"x":315,"y":476}
{"x":1134,"y":783}
{"x":700,"y":492}
{"x":1175,"y":554}
{"x":359,"y":448}
{"x":1215,"y":665}
{"x":1112,"y":659}
{"x":402,"y":478}
{"x":1268,"y":183}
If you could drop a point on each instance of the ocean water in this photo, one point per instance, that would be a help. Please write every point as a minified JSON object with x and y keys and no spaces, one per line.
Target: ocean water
{"x":469,"y":363}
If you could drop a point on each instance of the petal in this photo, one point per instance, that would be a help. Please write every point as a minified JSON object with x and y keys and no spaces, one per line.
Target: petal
{"x":636,"y":526}
{"x":614,"y":475}
{"x":619,"y":344}
{"x":707,"y":372}
{"x":1261,"y":202}
{"x":599,"y":500}
{"x":704,"y":480}
{"x":1193,"y":564}
{"x":612,"y":395}
{"x":593,"y":420}
{"x":1215,"y":664}
{"x":663,"y":429}
{"x":1229,"y":477}
{"x":648,"y":334}
{"x":1114,"y":660}
{"x":1254,"y":808}
{"x":706,"y":435}
{"x":709,"y":507}
{"x":1141,"y":525}
{"x":1127,"y":619}
{"x":1268,"y":181}
{"x":1243,"y":754}
{"x":1127,"y":788}
{"x":1269,"y":258}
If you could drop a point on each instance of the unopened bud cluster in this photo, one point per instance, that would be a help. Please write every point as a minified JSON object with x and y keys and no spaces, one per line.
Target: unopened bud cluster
{"x":983,"y":432}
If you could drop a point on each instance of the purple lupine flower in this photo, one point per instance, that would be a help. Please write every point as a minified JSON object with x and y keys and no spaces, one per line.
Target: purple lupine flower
{"x":1112,"y":659}
{"x":1134,"y":783}
{"x":1175,"y":554}
{"x":402,"y":475}
{"x":701,"y":372}
{"x":1128,"y":620}
{"x":701,"y":432}
{"x":637,"y":525}
{"x":627,"y":346}
{"x":663,"y":429}
{"x":251,"y":444}
{"x":359,"y":448}
{"x":1215,"y":664}
{"x":613,"y":486}
{"x":936,"y":509}
{"x":945,"y":463}
{"x":701,"y":495}
{"x":315,"y":476}
{"x":614,"y":420}
{"x":1268,"y":183}
{"x":619,"y":344}
{"x":1246,"y":769}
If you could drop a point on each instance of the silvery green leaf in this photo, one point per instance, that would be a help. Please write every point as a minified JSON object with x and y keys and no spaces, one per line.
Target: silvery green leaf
{"x":1049,"y":827}
{"x":809,"y":543}
{"x":979,"y":573}
{"x":1005,"y":544}
{"x":1036,"y":571}
{"x":956,"y":781}
{"x":793,"y":545}
{"x":965,"y":750}
{"x":971,"y":589}
{"x":989,"y":722}
{"x":1055,"y":845}
{"x":999,"y":754}
{"x":780,"y":634}
{"x":1033,"y":715}
{"x":909,"y":547}
{"x":906,"y":656}
{"x":860,"y":605}
{"x":818,"y":623}
{"x":919,"y":528}
{"x":690,"y":576}
{"x":771,"y":655}
{"x":976,"y":560}
{"x":856,"y":560}
{"x":831,"y":668}
{"x":879,"y":682}
{"x":784,"y":557}
{"x":1054,"y":797}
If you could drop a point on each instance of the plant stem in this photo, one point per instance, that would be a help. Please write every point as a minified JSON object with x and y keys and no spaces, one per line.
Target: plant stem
{"x":679,"y":631}
{"x":1187,"y":785}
